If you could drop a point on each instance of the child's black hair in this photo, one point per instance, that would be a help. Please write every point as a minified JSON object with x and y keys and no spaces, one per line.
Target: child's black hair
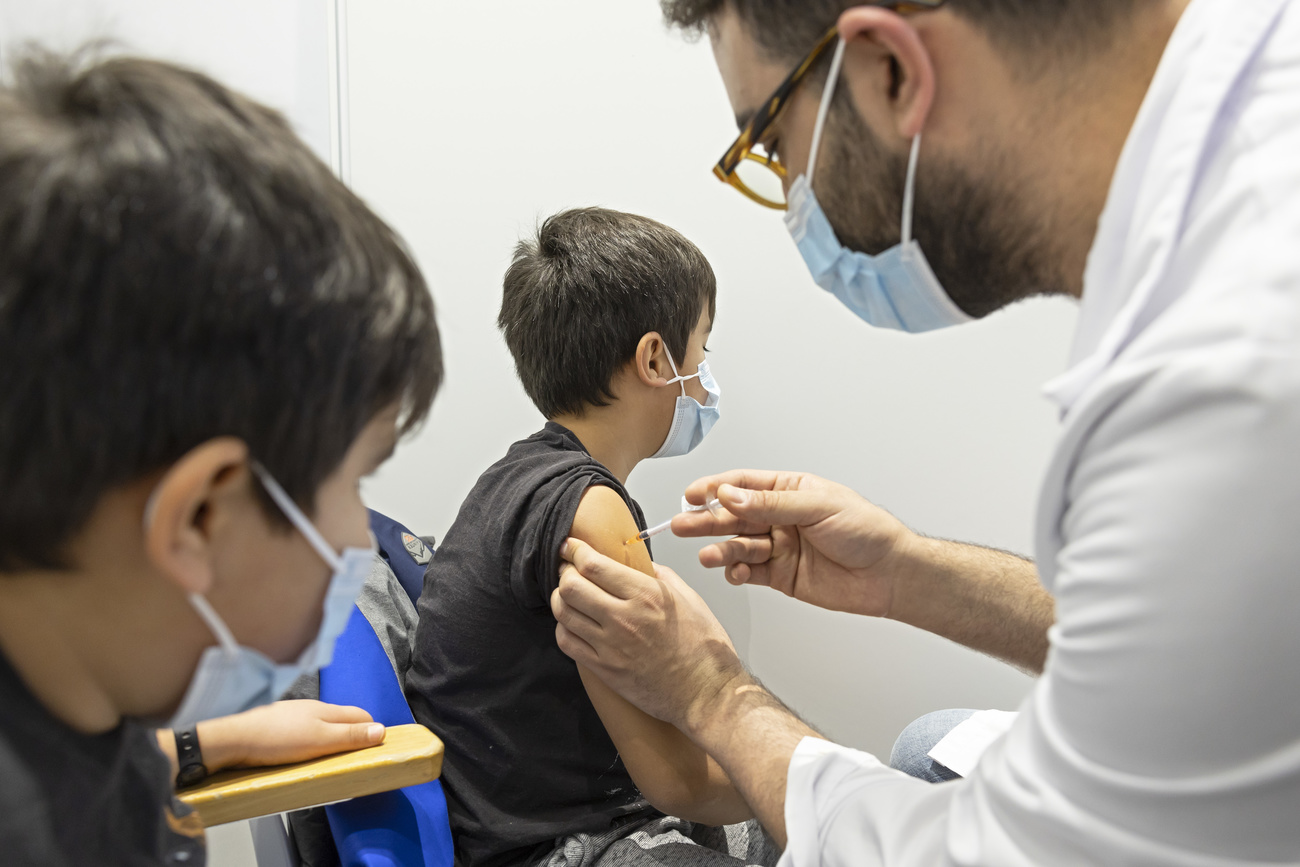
{"x":176,"y":265}
{"x":579,"y":297}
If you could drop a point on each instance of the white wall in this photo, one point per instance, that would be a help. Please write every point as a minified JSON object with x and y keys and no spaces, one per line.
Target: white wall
{"x":469,"y":122}
{"x":278,"y":51}
{"x":472,"y":120}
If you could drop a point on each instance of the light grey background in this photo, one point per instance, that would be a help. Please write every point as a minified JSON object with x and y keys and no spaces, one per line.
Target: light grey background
{"x":469,"y":122}
{"x":279,"y":51}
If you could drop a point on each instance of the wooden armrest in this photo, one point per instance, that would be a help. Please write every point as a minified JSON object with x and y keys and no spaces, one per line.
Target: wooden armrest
{"x":409,"y":755}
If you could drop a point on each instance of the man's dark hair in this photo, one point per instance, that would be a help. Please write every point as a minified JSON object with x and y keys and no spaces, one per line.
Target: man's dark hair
{"x":580,"y":296}
{"x":788,"y":29}
{"x":176,"y":265}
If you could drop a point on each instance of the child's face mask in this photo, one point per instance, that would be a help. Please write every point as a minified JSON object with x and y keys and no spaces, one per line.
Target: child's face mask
{"x":691,"y":421}
{"x":233,"y":678}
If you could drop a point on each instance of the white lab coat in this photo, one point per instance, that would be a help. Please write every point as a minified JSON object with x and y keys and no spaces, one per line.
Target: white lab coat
{"x":1165,"y":729}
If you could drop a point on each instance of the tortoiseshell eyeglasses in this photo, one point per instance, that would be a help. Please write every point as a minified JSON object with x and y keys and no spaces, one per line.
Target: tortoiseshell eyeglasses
{"x":758,"y":174}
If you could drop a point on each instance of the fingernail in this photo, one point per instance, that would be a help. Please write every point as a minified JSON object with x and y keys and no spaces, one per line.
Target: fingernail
{"x":374,"y":733}
{"x":564,"y":549}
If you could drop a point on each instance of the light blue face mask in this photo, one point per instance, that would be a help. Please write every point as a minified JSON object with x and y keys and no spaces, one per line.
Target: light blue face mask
{"x":691,"y":421}
{"x":232,"y":678}
{"x":895,"y":289}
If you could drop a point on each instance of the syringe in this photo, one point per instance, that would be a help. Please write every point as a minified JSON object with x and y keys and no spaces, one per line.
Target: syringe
{"x":714,"y":506}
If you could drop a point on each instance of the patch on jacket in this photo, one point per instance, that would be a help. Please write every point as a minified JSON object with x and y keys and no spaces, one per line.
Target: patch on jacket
{"x":419,"y":552}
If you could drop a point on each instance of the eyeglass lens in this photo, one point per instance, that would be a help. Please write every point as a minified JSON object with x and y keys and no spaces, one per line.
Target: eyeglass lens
{"x":760,"y":178}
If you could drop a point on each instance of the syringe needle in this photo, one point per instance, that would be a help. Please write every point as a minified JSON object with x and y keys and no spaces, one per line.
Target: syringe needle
{"x":653,"y":531}
{"x":712,"y":505}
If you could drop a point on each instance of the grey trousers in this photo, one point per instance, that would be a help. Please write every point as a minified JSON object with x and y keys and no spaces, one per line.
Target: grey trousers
{"x":911,"y":750}
{"x":668,"y":842}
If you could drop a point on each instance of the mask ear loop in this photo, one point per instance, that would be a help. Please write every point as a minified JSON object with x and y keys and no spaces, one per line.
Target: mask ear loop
{"x":677,"y":377}
{"x":824,"y":109}
{"x":295,"y":516}
{"x":218,"y":626}
{"x":909,"y":189}
{"x":220,"y":630}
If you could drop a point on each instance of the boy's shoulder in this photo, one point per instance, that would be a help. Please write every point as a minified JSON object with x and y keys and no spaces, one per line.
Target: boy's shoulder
{"x":64,"y":794}
{"x":551,"y":442}
{"x":533,"y":463}
{"x":521,"y":486}
{"x":521,"y":509}
{"x":26,"y":832}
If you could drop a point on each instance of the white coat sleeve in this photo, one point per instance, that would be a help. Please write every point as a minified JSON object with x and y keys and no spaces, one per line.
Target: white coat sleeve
{"x":1166,"y":727}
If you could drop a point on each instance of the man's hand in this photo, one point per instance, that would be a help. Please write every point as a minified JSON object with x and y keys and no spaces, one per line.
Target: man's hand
{"x":809,"y":538}
{"x":653,"y":640}
{"x":279,"y":733}
{"x":822,"y":543}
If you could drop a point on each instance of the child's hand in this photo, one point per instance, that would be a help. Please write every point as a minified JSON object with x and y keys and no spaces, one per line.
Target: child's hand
{"x":281,"y":733}
{"x":293,"y":731}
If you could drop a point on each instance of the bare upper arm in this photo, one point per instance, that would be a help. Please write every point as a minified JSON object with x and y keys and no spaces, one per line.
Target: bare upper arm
{"x":651,"y":749}
{"x":605,"y":522}
{"x":671,"y":772}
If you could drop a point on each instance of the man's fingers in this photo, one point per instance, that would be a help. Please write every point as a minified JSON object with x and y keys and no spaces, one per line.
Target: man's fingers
{"x":575,"y":648}
{"x":737,"y":574}
{"x":724,"y":523}
{"x":583,"y":607}
{"x":699,"y":491}
{"x":609,"y":575}
{"x":689,"y":525}
{"x":571,"y":617}
{"x":753,"y":574}
{"x":771,"y":508}
{"x":663,"y":573}
{"x":741,"y":549}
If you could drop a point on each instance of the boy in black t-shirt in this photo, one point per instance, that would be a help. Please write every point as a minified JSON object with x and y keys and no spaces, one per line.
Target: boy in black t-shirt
{"x":194,"y":312}
{"x":606,"y":315}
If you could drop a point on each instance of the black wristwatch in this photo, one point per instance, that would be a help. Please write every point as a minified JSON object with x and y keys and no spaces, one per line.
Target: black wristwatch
{"x":189,"y":758}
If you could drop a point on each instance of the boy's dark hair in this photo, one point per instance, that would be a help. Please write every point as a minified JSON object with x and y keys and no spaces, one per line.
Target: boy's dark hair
{"x":176,"y":265}
{"x":788,"y":29}
{"x":580,"y":296}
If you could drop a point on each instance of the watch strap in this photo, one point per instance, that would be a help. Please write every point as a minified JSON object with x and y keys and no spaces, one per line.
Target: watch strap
{"x":189,"y":758}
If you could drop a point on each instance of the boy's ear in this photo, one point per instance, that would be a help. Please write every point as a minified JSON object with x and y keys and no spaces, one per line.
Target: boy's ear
{"x":651,"y":361}
{"x":188,"y":505}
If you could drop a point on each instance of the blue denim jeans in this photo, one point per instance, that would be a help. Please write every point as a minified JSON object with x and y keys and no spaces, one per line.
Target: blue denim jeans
{"x":911,"y":751}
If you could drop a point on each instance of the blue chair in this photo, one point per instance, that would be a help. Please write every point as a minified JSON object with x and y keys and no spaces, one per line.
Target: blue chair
{"x":406,"y":827}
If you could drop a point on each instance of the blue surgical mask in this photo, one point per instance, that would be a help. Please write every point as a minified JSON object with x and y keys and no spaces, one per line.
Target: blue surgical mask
{"x":895,"y":289}
{"x":233,"y":678}
{"x":691,"y":421}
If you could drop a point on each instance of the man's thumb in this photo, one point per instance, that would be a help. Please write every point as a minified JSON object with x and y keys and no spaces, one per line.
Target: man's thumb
{"x":774,"y":507}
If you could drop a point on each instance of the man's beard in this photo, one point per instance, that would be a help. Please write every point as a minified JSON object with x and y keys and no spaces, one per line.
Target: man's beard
{"x":986,"y":252}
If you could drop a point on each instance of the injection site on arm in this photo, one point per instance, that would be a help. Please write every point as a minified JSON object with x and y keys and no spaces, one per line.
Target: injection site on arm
{"x":714,"y":506}
{"x":673,"y":774}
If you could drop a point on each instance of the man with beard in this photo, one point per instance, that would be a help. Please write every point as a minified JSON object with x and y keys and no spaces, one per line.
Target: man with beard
{"x":1140,"y":155}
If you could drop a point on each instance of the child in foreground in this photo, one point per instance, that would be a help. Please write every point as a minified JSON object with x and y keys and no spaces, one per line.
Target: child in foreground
{"x":606,"y":315}
{"x":206,"y":341}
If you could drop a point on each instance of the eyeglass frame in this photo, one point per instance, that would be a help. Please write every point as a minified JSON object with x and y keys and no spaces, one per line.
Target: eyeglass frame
{"x":743,"y":147}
